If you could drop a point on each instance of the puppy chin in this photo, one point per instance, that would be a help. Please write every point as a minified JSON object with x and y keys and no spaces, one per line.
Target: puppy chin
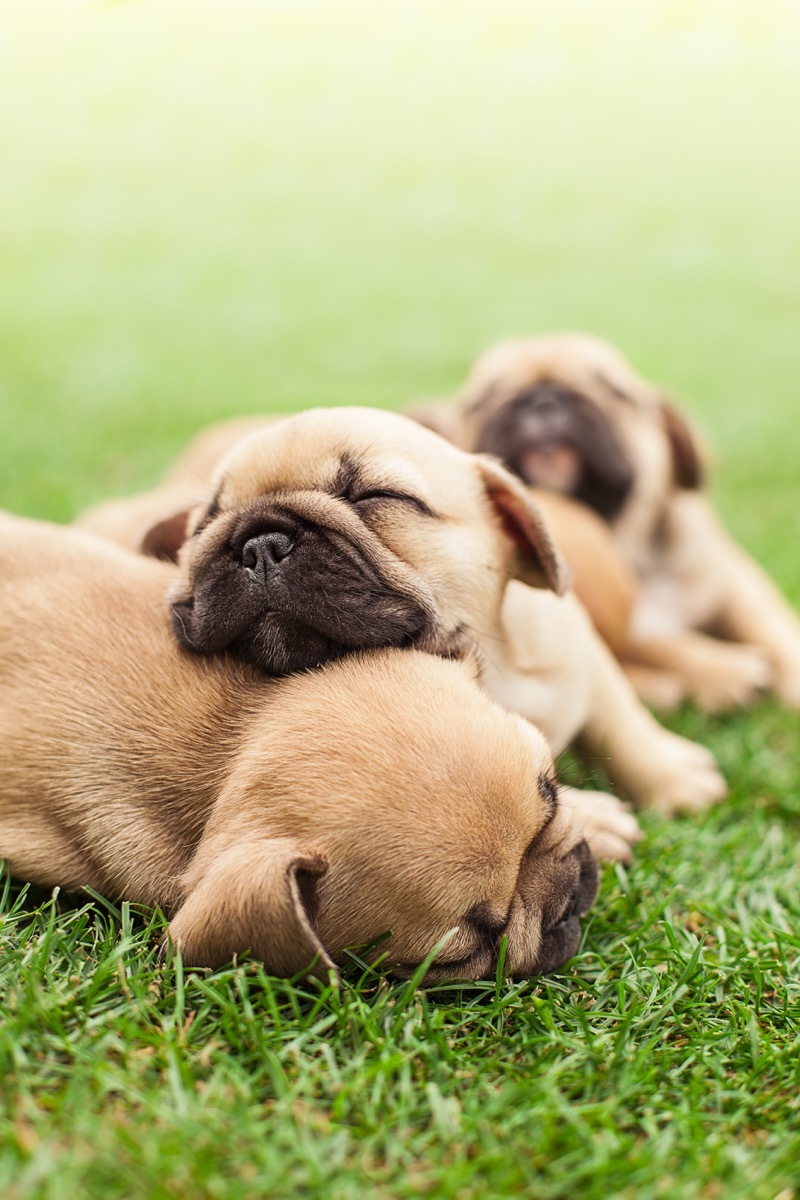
{"x":279,"y":644}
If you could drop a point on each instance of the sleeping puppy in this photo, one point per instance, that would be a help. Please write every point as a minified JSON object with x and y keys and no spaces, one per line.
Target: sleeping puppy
{"x":347,"y":529}
{"x":289,"y":818}
{"x":568,"y":413}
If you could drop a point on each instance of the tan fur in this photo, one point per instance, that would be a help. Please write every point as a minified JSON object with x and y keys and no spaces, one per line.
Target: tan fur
{"x":289,"y":818}
{"x":691,"y":578}
{"x":550,"y":668}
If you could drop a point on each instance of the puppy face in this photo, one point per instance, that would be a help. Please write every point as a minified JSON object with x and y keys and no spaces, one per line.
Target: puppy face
{"x":567,"y":413}
{"x":556,"y":438}
{"x":349,"y":529}
{"x":437,"y":814}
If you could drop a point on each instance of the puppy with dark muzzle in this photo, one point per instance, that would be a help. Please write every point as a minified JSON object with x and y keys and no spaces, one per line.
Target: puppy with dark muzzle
{"x":569,"y":414}
{"x":342,"y":529}
{"x":291,"y":818}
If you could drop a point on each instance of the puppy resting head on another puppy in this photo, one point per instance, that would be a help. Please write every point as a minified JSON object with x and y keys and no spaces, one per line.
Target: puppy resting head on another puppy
{"x":292,"y":817}
{"x":345,"y":529}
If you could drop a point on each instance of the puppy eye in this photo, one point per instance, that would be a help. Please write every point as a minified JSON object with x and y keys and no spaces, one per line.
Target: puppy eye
{"x":380,"y":494}
{"x":387,"y":495}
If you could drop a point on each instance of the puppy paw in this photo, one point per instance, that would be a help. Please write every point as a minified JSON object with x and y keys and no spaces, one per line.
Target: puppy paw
{"x":682,"y":777}
{"x":738,"y":676}
{"x":608,"y":826}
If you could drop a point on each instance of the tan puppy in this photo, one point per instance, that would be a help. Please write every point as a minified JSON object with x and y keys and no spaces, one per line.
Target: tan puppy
{"x":290,"y":818}
{"x":567,"y":412}
{"x":341,"y":529}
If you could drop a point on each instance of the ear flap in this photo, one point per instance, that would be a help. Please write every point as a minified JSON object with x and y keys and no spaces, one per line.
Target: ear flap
{"x":165,"y":538}
{"x":538,"y":562}
{"x":253,"y":897}
{"x":443,"y":418}
{"x":687,"y":453}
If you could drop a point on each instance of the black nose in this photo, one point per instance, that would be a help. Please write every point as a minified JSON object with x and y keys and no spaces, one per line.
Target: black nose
{"x":266,"y":550}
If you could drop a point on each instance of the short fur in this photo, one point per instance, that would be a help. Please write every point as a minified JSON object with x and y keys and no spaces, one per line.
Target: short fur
{"x":393,"y":535}
{"x":569,"y":413}
{"x":289,"y":818}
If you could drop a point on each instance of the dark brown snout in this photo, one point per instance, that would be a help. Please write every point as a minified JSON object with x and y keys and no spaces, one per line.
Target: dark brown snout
{"x":561,"y":931}
{"x":542,"y":926}
{"x":286,"y":593}
{"x":536,"y":424}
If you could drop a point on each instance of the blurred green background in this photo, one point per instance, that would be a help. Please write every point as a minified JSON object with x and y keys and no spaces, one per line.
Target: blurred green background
{"x":217,"y":207}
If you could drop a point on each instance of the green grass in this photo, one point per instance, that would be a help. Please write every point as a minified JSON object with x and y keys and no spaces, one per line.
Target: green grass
{"x":214,"y":208}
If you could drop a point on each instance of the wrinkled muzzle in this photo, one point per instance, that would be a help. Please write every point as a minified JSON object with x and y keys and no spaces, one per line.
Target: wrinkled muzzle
{"x":287,"y":594}
{"x":556,"y":438}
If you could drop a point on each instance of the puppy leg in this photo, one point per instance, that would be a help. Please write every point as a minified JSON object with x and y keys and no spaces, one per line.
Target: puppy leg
{"x":664,"y":690}
{"x":607,"y":824}
{"x":716,"y":675}
{"x":733,"y":596}
{"x":756,"y":612}
{"x":654,"y":767}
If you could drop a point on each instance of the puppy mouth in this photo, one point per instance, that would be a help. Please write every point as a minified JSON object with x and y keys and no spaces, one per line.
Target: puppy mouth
{"x":552,"y":464}
{"x":281,"y":643}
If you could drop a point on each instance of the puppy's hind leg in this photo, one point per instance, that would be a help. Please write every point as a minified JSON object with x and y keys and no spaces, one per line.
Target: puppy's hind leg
{"x":755,"y":611}
{"x":715,"y":675}
{"x":663,"y":690}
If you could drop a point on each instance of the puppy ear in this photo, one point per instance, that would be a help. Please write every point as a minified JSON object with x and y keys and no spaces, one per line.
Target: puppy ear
{"x":687,"y":451}
{"x":255,"y":896}
{"x":440,"y":417}
{"x":165,"y":538}
{"x":538,"y":562}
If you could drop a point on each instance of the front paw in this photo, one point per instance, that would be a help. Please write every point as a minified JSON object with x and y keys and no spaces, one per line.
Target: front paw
{"x":682,"y":777}
{"x":608,"y":825}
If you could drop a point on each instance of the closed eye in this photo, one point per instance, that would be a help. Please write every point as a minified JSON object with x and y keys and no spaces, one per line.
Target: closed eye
{"x":388,"y":495}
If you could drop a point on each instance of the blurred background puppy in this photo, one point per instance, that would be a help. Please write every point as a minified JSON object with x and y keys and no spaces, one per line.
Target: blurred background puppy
{"x":289,"y":818}
{"x":568,"y":413}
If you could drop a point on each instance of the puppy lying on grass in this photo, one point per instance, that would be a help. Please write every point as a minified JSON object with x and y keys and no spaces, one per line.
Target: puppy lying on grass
{"x":340,"y":529}
{"x":289,"y":818}
{"x":568,"y":413}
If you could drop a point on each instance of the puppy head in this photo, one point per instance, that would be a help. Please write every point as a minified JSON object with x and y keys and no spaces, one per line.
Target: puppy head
{"x":351,"y":529}
{"x":568,"y":413}
{"x":391,"y":796}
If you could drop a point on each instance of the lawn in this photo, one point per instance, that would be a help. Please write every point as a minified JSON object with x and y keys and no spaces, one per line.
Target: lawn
{"x":212,"y":208}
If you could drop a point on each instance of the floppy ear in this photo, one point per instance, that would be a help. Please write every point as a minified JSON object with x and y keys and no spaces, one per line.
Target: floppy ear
{"x":687,"y":452}
{"x":253,"y":896}
{"x":538,"y":562}
{"x":443,"y":418}
{"x":165,"y":538}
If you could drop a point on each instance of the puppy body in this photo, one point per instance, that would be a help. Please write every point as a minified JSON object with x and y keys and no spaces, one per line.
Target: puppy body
{"x":568,"y":412}
{"x":437,"y":534}
{"x":291,"y":817}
